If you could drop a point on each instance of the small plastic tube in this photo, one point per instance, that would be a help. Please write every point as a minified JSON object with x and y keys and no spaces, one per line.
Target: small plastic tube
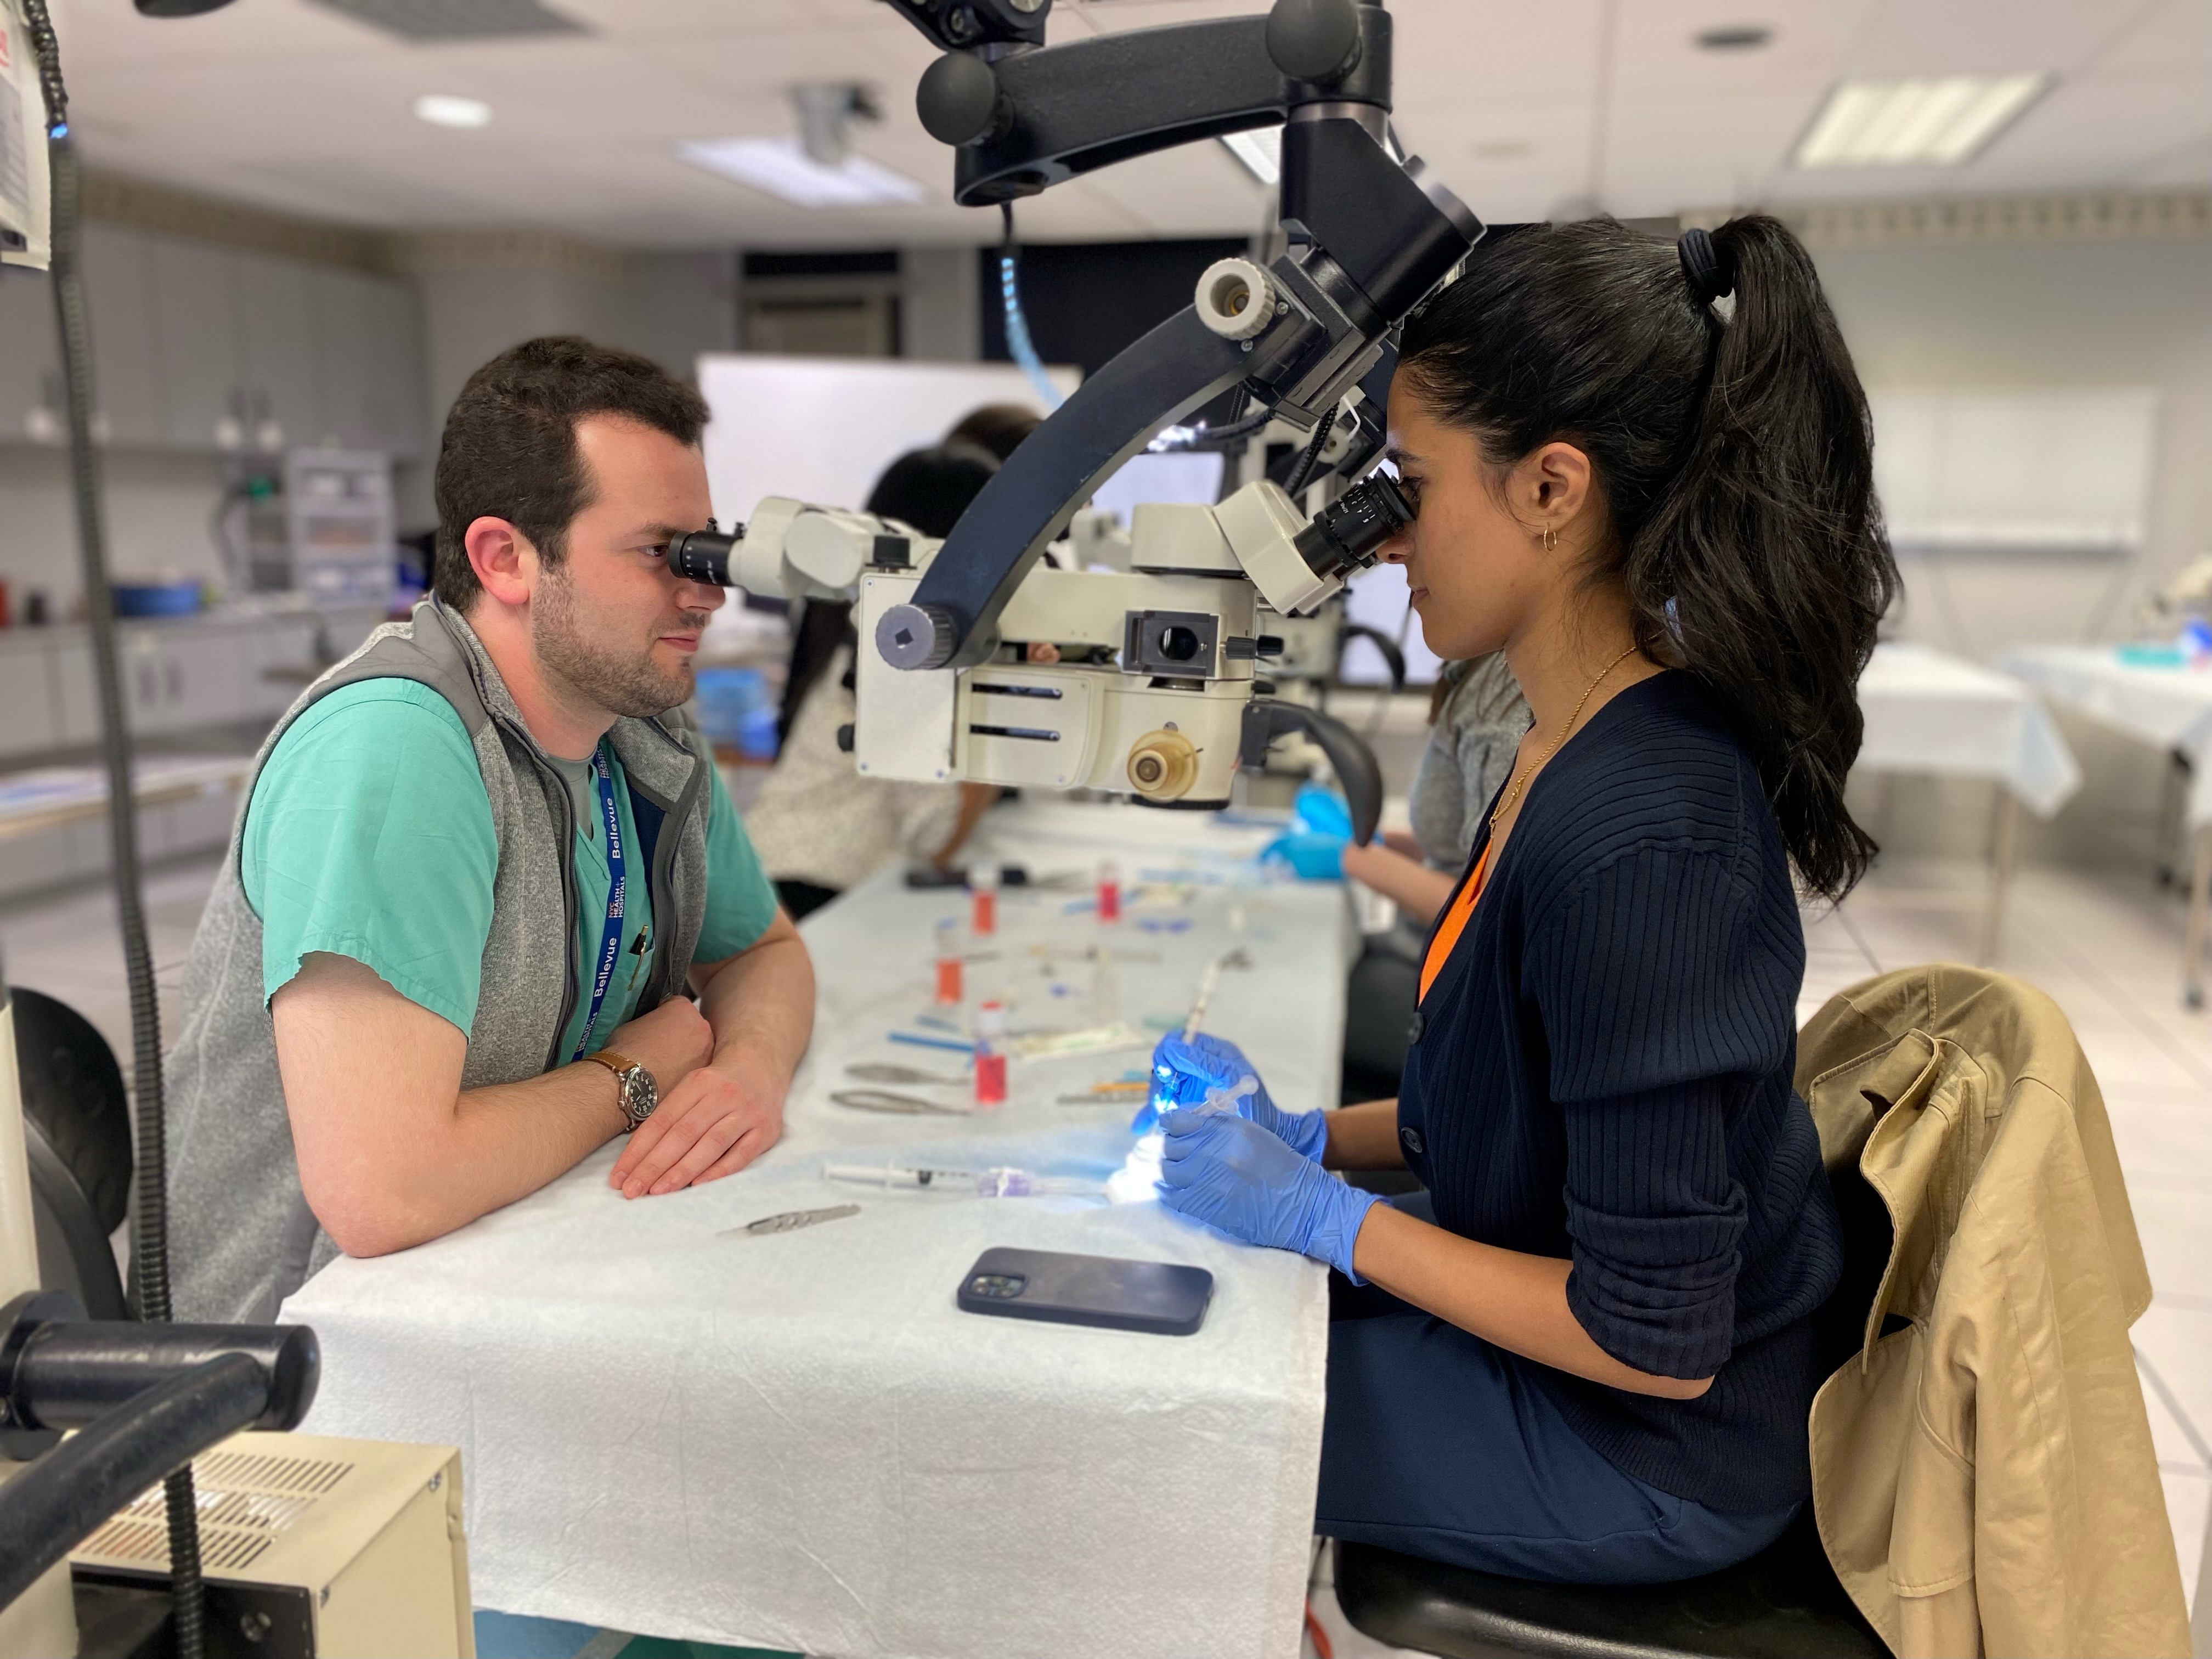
{"x":1109,"y":890}
{"x":983,"y":888}
{"x":949,"y":988}
{"x":991,"y":1055}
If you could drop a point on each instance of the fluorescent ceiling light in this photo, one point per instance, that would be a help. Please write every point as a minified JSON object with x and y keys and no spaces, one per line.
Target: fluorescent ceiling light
{"x":1938,"y":122}
{"x":441,"y":109}
{"x":783,"y":168}
{"x":1260,"y":150}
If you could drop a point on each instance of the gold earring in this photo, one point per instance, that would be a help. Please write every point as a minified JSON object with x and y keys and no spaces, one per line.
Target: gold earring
{"x":1551,"y":539}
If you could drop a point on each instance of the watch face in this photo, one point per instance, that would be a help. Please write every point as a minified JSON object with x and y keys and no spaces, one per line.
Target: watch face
{"x":639,"y":1095}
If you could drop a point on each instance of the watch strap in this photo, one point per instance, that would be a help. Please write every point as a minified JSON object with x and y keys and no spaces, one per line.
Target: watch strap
{"x":614,"y":1062}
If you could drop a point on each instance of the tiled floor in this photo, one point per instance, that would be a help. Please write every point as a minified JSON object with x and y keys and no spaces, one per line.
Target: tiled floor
{"x":2103,"y":943}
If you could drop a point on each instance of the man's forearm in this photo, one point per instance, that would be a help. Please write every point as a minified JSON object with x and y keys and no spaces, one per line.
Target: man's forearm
{"x":761,"y":1005}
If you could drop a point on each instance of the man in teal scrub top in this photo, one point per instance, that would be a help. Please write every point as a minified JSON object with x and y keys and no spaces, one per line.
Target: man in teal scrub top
{"x":481,"y":862}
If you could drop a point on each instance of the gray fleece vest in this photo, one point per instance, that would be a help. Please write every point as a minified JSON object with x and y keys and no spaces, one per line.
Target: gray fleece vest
{"x":242,"y":1237}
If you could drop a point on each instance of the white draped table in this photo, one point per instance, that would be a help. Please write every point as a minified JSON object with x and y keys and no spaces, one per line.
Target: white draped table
{"x":797,"y":1440}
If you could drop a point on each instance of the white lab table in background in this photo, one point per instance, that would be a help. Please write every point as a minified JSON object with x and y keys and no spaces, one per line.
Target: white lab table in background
{"x":1927,"y":711}
{"x":797,"y":1440}
{"x":2171,"y":709}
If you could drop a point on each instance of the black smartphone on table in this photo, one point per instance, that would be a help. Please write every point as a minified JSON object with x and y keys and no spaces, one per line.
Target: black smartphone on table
{"x":1161,"y":1297}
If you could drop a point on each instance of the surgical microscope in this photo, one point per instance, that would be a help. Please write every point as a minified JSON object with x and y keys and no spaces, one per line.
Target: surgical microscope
{"x":1156,"y":685}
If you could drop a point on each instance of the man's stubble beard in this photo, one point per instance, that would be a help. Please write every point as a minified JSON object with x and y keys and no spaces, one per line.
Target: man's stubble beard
{"x":623,"y":681}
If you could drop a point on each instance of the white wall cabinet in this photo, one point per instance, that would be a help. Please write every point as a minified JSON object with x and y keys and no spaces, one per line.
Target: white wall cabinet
{"x":30,"y":363}
{"x":206,"y":349}
{"x":118,"y":291}
{"x":178,"y":677}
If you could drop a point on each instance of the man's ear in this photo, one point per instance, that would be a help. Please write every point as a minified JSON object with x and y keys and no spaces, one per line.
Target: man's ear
{"x":505,"y":562}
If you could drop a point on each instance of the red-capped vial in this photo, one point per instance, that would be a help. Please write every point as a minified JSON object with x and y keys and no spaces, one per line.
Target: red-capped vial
{"x":1109,"y":890}
{"x":948,"y":990}
{"x":983,"y":888}
{"x":991,"y":1055}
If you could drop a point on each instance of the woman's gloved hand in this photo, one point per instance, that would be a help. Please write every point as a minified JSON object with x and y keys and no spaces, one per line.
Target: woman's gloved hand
{"x":1231,"y":1173}
{"x":1186,"y":1070}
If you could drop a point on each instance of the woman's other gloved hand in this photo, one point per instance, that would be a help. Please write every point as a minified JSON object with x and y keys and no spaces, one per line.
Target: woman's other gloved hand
{"x":1186,"y":1072}
{"x":1231,"y":1173}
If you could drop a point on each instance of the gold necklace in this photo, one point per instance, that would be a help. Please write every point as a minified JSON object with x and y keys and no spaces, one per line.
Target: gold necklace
{"x":1520,"y":781}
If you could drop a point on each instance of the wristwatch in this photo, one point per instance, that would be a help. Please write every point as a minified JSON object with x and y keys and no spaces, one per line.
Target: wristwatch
{"x":639,"y":1095}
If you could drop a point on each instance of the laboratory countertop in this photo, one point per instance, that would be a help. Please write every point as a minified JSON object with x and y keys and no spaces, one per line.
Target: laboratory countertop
{"x":797,"y":1440}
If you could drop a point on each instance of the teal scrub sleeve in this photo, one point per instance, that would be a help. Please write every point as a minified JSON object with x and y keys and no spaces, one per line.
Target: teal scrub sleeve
{"x":369,"y":836}
{"x":740,"y":900}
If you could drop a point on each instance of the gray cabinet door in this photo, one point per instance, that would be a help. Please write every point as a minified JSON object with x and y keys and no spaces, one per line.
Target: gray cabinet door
{"x":119,"y":295}
{"x":202,"y":677}
{"x":196,"y":342}
{"x":345,"y":326}
{"x":26,"y":692}
{"x":30,"y":360}
{"x":275,"y":305}
{"x":403,"y":423}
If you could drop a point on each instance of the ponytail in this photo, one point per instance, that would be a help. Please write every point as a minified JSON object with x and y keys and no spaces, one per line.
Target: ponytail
{"x":1736,"y":459}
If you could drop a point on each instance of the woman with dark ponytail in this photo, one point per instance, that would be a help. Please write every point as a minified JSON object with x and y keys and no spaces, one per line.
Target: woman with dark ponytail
{"x":1587,"y":1352}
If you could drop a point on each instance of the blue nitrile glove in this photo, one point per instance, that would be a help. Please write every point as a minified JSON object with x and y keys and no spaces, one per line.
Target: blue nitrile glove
{"x":1323,"y":811}
{"x":1313,"y":855}
{"x":1231,"y":1173}
{"x":1185,"y":1071}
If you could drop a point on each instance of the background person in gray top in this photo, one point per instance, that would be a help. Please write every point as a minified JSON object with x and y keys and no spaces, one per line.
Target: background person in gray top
{"x":1476,"y":722}
{"x":480,"y":863}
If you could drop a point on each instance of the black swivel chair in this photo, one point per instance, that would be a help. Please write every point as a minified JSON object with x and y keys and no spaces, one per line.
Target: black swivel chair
{"x":1784,"y":1603}
{"x":77,"y":1131}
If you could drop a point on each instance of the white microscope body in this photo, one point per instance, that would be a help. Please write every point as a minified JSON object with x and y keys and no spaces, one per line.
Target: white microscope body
{"x":1145,"y":686}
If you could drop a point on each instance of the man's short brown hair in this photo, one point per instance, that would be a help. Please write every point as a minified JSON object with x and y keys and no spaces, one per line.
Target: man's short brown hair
{"x":509,"y":449}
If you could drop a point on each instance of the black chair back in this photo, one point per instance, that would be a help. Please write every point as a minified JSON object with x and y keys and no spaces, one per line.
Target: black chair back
{"x":76,"y":1127}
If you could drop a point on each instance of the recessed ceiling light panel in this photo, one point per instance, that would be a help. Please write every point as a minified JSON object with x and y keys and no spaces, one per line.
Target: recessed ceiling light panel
{"x":1940,"y":121}
{"x":441,"y":20}
{"x":781,"y":167}
{"x":1260,"y":150}
{"x":444,"y":110}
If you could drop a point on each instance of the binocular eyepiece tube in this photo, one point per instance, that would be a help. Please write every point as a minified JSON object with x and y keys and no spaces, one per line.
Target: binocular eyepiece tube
{"x":1349,"y":533}
{"x":704,"y":556}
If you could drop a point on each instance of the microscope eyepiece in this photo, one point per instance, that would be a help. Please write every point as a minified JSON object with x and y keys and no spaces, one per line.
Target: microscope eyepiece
{"x":1349,"y":533}
{"x":704,"y":556}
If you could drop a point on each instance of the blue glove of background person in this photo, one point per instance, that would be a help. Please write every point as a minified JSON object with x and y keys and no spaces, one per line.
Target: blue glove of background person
{"x":1315,"y":844}
{"x":1186,"y":1070}
{"x":1231,"y":1173}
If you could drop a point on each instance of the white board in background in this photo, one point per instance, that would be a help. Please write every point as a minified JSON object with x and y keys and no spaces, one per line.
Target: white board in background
{"x":1376,"y":598}
{"x":1184,"y":475}
{"x":2056,"y":471}
{"x":823,"y":429}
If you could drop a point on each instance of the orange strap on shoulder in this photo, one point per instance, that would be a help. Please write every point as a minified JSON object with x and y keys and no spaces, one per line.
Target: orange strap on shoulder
{"x":1456,"y":915}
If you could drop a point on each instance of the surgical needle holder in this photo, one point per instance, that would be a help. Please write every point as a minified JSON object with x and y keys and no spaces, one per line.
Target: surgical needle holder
{"x":882,"y":1100}
{"x":790,"y":1221}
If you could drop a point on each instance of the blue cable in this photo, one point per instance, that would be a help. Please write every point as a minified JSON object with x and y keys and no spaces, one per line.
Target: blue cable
{"x":1019,"y":345}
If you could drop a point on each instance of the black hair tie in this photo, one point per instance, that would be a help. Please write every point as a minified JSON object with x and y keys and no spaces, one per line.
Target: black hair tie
{"x":1710,"y":273}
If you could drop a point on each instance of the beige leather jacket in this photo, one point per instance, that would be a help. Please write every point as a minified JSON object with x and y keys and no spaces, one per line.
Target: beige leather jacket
{"x":1982,"y":1473}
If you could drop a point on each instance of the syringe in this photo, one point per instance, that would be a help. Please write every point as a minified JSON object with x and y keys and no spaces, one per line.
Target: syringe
{"x":1000,"y":1182}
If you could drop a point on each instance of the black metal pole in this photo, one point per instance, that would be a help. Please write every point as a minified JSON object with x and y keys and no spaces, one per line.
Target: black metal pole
{"x":149,"y":1231}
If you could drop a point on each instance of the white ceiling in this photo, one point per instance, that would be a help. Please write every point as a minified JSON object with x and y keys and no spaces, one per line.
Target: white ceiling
{"x":1526,"y":109}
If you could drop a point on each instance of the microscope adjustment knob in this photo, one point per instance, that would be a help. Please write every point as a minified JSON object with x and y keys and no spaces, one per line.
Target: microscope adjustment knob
{"x":1236,"y":299}
{"x":916,"y":635}
{"x":1163,"y":765}
{"x":1316,"y":40}
{"x":958,"y":100}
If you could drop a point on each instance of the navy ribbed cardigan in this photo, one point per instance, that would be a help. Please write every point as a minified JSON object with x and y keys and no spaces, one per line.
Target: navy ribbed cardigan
{"x":1603,"y":1072}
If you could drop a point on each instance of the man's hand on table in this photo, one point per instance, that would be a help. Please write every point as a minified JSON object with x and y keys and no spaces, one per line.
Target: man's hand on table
{"x":718,"y":1116}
